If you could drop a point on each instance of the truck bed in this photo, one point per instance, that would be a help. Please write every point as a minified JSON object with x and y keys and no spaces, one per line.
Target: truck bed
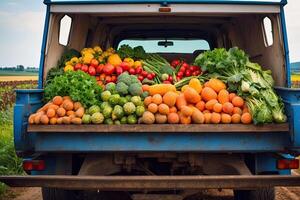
{"x":157,"y":138}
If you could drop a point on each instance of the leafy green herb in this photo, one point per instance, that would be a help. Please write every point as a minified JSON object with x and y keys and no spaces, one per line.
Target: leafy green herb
{"x":76,"y":84}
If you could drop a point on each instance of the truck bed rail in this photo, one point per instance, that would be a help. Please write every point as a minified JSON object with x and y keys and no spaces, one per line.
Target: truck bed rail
{"x":158,"y":128}
{"x":132,"y":183}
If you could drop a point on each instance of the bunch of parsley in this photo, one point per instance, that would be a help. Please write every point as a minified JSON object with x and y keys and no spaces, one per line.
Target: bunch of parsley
{"x":76,"y":84}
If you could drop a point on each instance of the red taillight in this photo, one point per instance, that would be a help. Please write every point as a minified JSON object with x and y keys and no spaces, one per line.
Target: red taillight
{"x":164,"y":9}
{"x":33,"y":165}
{"x":288,"y":164}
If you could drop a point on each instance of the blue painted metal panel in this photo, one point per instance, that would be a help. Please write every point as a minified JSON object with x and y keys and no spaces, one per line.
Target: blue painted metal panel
{"x":201,"y":142}
{"x":282,"y":2}
{"x":286,"y":47}
{"x":268,"y":163}
{"x":43,"y":49}
{"x":291,"y":99}
{"x":27,"y":102}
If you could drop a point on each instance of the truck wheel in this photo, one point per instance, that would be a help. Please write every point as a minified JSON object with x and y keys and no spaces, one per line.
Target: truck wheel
{"x":58,"y":194}
{"x":261,"y":194}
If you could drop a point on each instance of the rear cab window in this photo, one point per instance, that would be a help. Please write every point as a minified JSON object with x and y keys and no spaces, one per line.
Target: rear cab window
{"x":188,"y":46}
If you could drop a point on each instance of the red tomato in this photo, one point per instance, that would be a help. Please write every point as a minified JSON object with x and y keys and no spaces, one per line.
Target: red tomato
{"x":99,"y":68}
{"x":194,"y":73}
{"x":77,"y":66}
{"x":108,"y":79}
{"x":139,"y":70}
{"x":119,"y":70}
{"x":167,"y":82}
{"x":170,"y":78}
{"x":132,"y":71}
{"x":144,"y":74}
{"x":141,"y":78}
{"x":92,"y":71}
{"x":85,"y":68}
{"x":114,"y":78}
{"x":185,"y":65}
{"x":94,"y":62}
{"x":178,"y":78}
{"x":188,"y":73}
{"x":108,"y":69}
{"x":153,"y":74}
{"x":180,"y":74}
{"x":182,"y":69}
{"x":102,"y":77}
{"x":175,"y":63}
{"x":125,"y":66}
{"x":149,"y":76}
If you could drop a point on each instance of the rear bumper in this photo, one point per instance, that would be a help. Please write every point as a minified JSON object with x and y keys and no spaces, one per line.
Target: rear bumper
{"x":132,"y":183}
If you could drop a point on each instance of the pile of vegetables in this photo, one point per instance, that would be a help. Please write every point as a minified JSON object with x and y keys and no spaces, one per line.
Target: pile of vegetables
{"x":248,"y":80}
{"x":129,"y":86}
{"x":60,"y":110}
{"x":121,"y":103}
{"x":195,"y":103}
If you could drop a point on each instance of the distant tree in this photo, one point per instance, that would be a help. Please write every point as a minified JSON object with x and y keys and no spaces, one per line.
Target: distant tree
{"x":20,"y":68}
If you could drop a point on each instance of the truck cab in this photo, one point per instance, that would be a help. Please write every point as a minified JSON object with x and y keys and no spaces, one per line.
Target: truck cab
{"x":161,"y":161}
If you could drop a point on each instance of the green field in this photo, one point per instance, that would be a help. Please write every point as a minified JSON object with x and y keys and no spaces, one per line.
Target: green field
{"x":16,"y":73}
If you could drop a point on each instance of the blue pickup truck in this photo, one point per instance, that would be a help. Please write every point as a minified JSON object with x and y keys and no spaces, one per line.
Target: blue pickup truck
{"x":161,"y":161}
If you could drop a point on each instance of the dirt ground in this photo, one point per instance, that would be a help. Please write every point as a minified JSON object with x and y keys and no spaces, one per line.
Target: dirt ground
{"x":282,"y":193}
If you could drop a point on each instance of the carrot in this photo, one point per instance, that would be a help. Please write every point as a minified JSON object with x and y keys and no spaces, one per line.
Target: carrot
{"x":161,"y":89}
{"x":246,"y":118}
{"x":227,"y":108}
{"x":157,"y":99}
{"x":216,"y":84}
{"x":200,"y":105}
{"x":237,"y":110}
{"x":185,"y":119}
{"x":231,"y":95}
{"x":208,"y":94}
{"x":57,"y":100}
{"x":145,"y":88}
{"x":238,"y":101}
{"x":31,"y":119}
{"x":198,"y":117}
{"x":170,"y":98}
{"x":206,"y":111}
{"x":236,"y":118}
{"x":217,"y":107}
{"x":223,"y":96}
{"x":225,"y":118}
{"x":215,"y":118}
{"x":77,"y":105}
{"x":53,"y":120}
{"x":191,"y":95}
{"x":173,"y":109}
{"x":180,"y":101}
{"x":68,"y":105}
{"x":44,"y":119}
{"x":210,"y":104}
{"x":53,"y":106}
{"x":186,"y":110}
{"x":147,"y":100}
{"x":173,"y":118}
{"x":51,"y":112}
{"x":70,"y":112}
{"x":152,"y":107}
{"x":163,"y":109}
{"x":207,"y":118}
{"x":61,"y":112}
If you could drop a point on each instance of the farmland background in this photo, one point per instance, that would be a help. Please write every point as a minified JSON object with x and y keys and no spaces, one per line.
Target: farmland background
{"x":9,"y":162}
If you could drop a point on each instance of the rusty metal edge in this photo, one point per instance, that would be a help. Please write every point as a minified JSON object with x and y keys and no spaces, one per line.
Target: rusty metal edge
{"x":151,"y":182}
{"x":167,"y":128}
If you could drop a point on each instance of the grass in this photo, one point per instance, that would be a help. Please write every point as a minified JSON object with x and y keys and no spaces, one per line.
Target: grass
{"x":9,"y":162}
{"x":17,"y":73}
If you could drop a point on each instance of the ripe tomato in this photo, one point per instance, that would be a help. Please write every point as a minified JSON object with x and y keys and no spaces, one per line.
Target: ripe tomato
{"x":141,"y":78}
{"x":84,"y":68}
{"x":114,"y":78}
{"x":92,"y":71}
{"x":188,"y":73}
{"x":170,"y":78}
{"x":153,"y":74}
{"x":119,"y":70}
{"x":132,"y":71}
{"x":149,"y":76}
{"x":185,"y":65}
{"x":99,"y":69}
{"x":107,"y":79}
{"x":175,"y":63}
{"x":139,"y":70}
{"x":144,"y":74}
{"x":77,"y":66}
{"x":180,"y":74}
{"x":167,"y":82}
{"x":94,"y":62}
{"x":102,"y":77}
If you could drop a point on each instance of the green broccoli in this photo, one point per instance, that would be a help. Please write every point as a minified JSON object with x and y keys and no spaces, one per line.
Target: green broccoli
{"x":135,"y":89}
{"x":122,"y":88}
{"x":125,"y":78}
{"x":110,"y":87}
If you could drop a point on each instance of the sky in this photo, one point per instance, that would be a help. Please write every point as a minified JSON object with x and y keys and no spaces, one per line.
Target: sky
{"x":22,"y":23}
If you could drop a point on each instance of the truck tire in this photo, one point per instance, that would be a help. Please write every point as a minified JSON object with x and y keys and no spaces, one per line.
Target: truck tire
{"x":261,"y":194}
{"x":58,"y":194}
